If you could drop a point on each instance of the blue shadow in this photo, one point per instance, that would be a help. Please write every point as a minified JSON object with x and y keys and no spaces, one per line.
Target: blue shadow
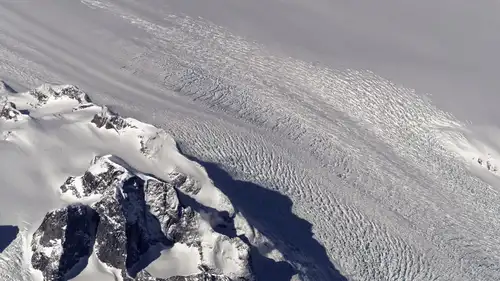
{"x":271,"y":213}
{"x":7,"y":234}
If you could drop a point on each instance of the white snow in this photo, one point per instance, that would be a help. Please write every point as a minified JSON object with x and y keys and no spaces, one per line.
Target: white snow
{"x":221,"y":253}
{"x":179,"y":260}
{"x":277,"y":94}
{"x":48,"y":146}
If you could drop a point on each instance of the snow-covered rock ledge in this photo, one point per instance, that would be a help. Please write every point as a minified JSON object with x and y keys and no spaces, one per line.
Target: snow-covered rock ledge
{"x":119,"y":193}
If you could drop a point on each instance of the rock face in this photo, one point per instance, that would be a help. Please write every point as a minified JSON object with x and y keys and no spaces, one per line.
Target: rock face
{"x":109,"y":120}
{"x":144,"y":276}
{"x":47,"y":92}
{"x":164,"y":203}
{"x":8,"y":111}
{"x":64,"y":241}
{"x":128,"y":234}
{"x":132,"y":218}
{"x":103,"y":175}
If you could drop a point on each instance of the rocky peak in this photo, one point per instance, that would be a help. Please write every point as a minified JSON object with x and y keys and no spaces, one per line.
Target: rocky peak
{"x":8,"y":111}
{"x":102,"y":175}
{"x":48,"y":92}
{"x":135,"y":217}
{"x":64,"y":241}
{"x":110,"y":120}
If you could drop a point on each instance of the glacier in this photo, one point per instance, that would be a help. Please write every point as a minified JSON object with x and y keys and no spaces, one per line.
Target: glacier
{"x":348,"y":171}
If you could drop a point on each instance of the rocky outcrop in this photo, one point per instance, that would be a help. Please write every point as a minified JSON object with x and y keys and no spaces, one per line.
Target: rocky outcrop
{"x":8,"y":111}
{"x":144,"y":276}
{"x":103,"y":175}
{"x":132,"y":219}
{"x":47,"y":92}
{"x":109,"y":120}
{"x":64,"y":241}
{"x":163,"y":203}
{"x":129,"y":237}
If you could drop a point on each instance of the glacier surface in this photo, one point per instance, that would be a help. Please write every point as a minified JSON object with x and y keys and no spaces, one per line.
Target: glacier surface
{"x":348,"y":174}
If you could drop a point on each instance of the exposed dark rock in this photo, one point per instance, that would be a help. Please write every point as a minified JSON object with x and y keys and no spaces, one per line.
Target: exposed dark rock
{"x":177,"y":179}
{"x":75,"y":93}
{"x":185,"y":230}
{"x":82,"y":106}
{"x":9,"y":111}
{"x":183,"y":183}
{"x":139,"y":216}
{"x":63,"y":242}
{"x":129,"y":237}
{"x":110,"y":120}
{"x":46,"y":92}
{"x":163,"y":203}
{"x":94,"y":181}
{"x":204,"y":276}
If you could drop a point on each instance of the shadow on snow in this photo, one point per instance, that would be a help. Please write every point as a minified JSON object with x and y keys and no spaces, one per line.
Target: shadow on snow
{"x":7,"y":234}
{"x":271,"y":212}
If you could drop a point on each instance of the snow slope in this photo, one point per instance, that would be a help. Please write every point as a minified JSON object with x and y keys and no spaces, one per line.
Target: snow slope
{"x":342,"y":169}
{"x":52,"y":134}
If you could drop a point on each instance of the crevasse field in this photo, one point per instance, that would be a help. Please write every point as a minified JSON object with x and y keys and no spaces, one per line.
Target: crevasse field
{"x":249,"y":140}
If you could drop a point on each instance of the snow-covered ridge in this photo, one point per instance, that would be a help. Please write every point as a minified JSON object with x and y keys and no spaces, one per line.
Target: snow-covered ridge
{"x":116,"y":192}
{"x":363,"y":158}
{"x":139,"y":216}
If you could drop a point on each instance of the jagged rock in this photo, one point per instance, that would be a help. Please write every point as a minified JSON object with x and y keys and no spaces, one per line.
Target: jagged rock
{"x":141,"y":215}
{"x":183,"y":183}
{"x":185,"y":230}
{"x":110,"y":120}
{"x":489,"y":163}
{"x":46,"y":92}
{"x":200,"y":277}
{"x":242,"y":258}
{"x":64,"y":241}
{"x":128,"y":236}
{"x":204,"y":276}
{"x":102,"y":176}
{"x":8,"y":111}
{"x":163,"y":202}
{"x":177,"y":179}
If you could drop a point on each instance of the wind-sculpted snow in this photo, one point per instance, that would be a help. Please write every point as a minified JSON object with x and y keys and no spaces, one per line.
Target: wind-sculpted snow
{"x":372,"y":180}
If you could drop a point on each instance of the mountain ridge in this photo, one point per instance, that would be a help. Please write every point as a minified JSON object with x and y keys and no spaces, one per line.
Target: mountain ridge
{"x":126,"y":218}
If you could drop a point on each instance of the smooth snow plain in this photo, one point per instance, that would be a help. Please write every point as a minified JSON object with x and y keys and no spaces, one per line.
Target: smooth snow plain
{"x":350,"y":175}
